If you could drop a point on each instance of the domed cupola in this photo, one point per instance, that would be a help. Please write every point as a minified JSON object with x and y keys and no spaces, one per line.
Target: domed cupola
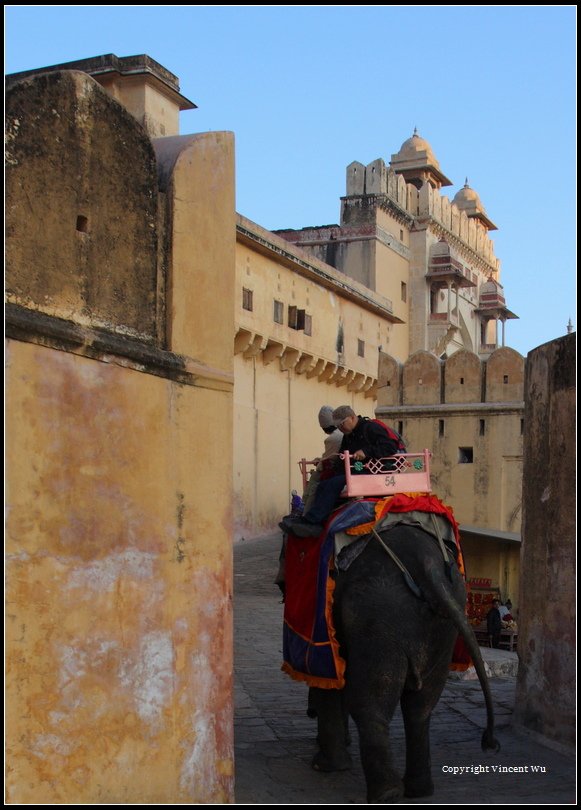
{"x":467,"y":200}
{"x":491,"y":300}
{"x":417,"y":163}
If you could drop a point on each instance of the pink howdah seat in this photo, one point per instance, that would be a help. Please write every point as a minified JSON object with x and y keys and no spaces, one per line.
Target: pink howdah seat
{"x":405,"y":472}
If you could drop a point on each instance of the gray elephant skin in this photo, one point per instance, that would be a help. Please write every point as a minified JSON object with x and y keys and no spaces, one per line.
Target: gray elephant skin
{"x":398,"y":648}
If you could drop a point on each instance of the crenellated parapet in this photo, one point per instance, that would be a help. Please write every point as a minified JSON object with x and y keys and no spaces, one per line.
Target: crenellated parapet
{"x":379,"y":180}
{"x":462,"y":379}
{"x":421,"y":379}
{"x":468,"y":233}
{"x":389,"y":190}
{"x":505,"y":375}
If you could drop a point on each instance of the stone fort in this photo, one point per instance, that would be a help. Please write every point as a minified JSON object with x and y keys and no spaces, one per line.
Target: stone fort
{"x":119,"y":356}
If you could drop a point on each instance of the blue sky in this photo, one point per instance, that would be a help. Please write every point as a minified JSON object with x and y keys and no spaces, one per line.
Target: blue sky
{"x":309,"y":89}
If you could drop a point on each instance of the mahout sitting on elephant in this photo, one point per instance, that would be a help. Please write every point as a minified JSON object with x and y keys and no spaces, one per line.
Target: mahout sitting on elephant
{"x":397,"y":609}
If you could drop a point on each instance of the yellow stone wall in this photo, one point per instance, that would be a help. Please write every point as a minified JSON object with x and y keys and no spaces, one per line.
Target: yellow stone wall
{"x":485,"y":493}
{"x":469,"y":414}
{"x":119,"y":639}
{"x":283,"y":376}
{"x":200,"y":304}
{"x":119,"y":455}
{"x":97,"y":211}
{"x":330,"y":311}
{"x":275,"y":425}
{"x":393,"y":269}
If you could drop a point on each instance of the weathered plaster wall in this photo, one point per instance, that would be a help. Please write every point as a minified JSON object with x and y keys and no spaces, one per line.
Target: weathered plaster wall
{"x":545,"y":694}
{"x":119,"y":458}
{"x":69,"y":210}
{"x":118,"y":591}
{"x":203,"y":243}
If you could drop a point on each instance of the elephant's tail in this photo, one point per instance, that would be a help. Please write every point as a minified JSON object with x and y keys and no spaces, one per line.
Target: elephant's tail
{"x":449,"y":605}
{"x":439,"y":593}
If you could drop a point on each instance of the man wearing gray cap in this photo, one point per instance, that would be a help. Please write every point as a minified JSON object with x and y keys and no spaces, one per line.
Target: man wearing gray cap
{"x":364,"y":439}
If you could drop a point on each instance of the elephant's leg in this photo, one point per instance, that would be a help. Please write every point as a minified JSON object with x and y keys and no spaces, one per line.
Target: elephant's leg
{"x":332,"y":737}
{"x":417,"y":707}
{"x":311,"y":703}
{"x":418,"y":773}
{"x":373,"y":693}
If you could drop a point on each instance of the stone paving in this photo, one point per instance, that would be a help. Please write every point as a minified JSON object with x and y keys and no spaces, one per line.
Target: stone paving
{"x":275,"y":740}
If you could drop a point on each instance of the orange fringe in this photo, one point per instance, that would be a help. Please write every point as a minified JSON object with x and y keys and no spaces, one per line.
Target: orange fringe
{"x":312,"y":680}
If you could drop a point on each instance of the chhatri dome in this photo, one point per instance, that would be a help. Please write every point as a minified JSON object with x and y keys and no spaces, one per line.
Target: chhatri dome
{"x":417,"y":163}
{"x":466,"y":195}
{"x":468,"y":200}
{"x":414,"y":145}
{"x":491,"y":301}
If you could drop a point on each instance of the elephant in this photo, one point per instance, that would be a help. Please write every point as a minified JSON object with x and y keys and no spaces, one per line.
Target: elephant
{"x":397,"y":633}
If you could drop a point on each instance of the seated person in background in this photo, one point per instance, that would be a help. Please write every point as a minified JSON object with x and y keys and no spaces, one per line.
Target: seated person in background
{"x":507,"y":619}
{"x":364,"y":439}
{"x":504,"y":610}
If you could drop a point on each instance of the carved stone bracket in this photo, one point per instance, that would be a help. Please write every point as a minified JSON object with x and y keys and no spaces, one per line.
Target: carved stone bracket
{"x":272,"y":351}
{"x":289,"y":359}
{"x":305,"y":364}
{"x":258,"y":344}
{"x":356,"y":383}
{"x":338,"y":376}
{"x":242,"y":340}
{"x":328,"y":372}
{"x":346,"y":377}
{"x":316,"y":369}
{"x":251,"y":344}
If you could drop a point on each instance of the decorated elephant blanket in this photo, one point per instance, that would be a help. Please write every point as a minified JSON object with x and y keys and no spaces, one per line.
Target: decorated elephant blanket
{"x":310,"y":648}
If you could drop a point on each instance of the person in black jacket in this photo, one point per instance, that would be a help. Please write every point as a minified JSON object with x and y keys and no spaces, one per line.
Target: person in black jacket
{"x":493,"y":623}
{"x":364,"y":439}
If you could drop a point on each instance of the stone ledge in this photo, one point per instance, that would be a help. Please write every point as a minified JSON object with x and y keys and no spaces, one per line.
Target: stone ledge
{"x":31,"y":326}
